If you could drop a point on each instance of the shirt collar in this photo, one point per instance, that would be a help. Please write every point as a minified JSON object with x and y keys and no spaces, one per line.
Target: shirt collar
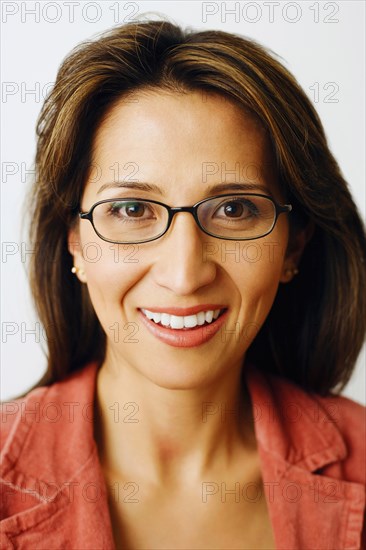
{"x":290,"y":424}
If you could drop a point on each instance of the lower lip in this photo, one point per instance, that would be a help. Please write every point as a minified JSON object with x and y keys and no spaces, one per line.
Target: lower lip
{"x":185,"y":338}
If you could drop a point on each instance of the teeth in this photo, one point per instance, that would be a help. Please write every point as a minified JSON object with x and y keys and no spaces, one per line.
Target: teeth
{"x":175,"y":322}
{"x":208,"y":316}
{"x":190,"y":321}
{"x":157,"y":317}
{"x":165,"y":319}
{"x":216,"y":313}
{"x":148,"y":314}
{"x":201,"y":317}
{"x":180,"y":321}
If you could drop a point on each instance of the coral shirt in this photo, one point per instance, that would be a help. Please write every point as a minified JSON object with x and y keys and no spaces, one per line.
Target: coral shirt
{"x":311,"y":448}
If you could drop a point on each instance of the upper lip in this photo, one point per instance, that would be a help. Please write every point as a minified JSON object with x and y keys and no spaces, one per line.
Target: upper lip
{"x":185,"y":310}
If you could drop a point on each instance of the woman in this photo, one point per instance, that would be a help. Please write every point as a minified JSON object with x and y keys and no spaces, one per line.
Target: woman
{"x":200,"y":272}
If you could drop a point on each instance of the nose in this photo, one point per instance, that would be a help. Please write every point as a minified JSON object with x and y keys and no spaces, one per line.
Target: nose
{"x":180,"y":264}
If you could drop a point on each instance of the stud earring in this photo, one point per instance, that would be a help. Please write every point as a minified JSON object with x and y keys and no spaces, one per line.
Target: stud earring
{"x":76,"y":270}
{"x":291,"y":271}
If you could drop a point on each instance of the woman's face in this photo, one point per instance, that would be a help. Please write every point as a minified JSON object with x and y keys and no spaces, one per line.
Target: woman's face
{"x":183,"y":144}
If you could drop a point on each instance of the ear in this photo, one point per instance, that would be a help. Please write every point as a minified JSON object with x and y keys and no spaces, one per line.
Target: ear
{"x":75,"y":249}
{"x":295,"y":250}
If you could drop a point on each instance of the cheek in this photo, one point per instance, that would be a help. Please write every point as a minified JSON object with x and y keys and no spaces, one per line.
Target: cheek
{"x":111,"y":270}
{"x":258,"y":262}
{"x":257,"y":276}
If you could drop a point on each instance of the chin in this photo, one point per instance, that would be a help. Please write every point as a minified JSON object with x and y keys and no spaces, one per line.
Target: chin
{"x":180,"y":381}
{"x":175,"y":368}
{"x":180,"y":376}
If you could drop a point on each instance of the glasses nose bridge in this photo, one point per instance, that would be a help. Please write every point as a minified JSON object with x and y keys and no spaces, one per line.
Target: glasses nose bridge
{"x":176,"y":209}
{"x":173,"y":210}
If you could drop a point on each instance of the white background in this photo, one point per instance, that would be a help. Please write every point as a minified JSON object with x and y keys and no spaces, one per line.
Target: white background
{"x":321,"y":43}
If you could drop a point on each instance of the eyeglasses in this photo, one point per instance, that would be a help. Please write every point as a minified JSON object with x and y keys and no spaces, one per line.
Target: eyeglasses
{"x":238,"y":217}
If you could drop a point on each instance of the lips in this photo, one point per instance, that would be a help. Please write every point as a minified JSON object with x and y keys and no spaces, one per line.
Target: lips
{"x":185,"y":310}
{"x":185,"y":337}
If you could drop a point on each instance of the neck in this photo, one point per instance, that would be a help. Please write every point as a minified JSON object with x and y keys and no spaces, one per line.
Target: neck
{"x":183,"y":432}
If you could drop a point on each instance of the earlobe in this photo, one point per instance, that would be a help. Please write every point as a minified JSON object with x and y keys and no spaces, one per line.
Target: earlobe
{"x":80,"y":273}
{"x":288,"y":274}
{"x":75,"y":249}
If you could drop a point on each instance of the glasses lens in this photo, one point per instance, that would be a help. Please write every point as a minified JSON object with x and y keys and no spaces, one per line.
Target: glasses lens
{"x":129,"y":220}
{"x":237,"y":217}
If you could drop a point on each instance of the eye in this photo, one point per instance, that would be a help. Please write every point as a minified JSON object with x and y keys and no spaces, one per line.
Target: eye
{"x":129,"y":209}
{"x":238,"y":208}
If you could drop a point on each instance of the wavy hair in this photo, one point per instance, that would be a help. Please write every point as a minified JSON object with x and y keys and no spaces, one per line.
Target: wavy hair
{"x":316,"y":327}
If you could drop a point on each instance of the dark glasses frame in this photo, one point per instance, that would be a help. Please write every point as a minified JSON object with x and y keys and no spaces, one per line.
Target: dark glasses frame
{"x":173,"y":210}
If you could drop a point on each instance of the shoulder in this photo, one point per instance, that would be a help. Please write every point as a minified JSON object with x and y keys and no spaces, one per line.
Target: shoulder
{"x":345,"y":412}
{"x":46,"y":404}
{"x":12,"y":412}
{"x":323,"y":434}
{"x":348,"y":415}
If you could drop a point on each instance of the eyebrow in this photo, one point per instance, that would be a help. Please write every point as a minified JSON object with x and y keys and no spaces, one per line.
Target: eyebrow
{"x":143,"y":186}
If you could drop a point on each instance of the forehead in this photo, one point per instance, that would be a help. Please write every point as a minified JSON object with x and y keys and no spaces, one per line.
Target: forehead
{"x":179,"y":118}
{"x":182,"y":138}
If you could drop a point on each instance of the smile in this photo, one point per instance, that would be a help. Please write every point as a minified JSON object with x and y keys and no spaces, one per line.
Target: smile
{"x":177,"y":322}
{"x":184,"y":331}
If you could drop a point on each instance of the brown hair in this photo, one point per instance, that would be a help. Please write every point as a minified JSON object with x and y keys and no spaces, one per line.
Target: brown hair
{"x":316,"y":327}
